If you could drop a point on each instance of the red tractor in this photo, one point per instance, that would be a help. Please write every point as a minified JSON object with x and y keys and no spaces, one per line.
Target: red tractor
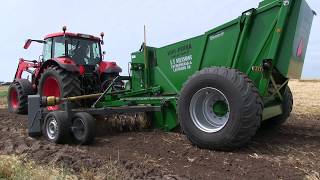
{"x":71,"y":64}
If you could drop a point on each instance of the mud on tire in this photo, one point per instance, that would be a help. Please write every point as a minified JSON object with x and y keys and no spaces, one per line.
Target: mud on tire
{"x":219,"y":108}
{"x":18,"y":96}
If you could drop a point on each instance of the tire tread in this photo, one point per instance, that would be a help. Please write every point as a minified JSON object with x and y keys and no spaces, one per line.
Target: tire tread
{"x":252,"y":108}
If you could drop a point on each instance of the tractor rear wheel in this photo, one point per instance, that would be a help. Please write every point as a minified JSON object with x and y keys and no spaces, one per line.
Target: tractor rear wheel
{"x":18,"y":96}
{"x":219,"y":108}
{"x":107,"y":80}
{"x":55,"y":81}
{"x":287,"y":104}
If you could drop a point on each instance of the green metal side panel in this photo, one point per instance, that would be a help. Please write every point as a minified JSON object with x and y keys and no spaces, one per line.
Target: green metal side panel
{"x":216,"y":43}
{"x":295,"y":41}
{"x":167,"y":118}
{"x":265,"y":3}
{"x":258,"y":42}
{"x":176,"y":62}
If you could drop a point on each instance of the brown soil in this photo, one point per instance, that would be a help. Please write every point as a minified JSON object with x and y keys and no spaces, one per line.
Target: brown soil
{"x":292,"y":152}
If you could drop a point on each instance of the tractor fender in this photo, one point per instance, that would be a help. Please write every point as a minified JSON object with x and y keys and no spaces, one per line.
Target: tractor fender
{"x":64,"y":63}
{"x":67,"y":64}
{"x":109,"y":67}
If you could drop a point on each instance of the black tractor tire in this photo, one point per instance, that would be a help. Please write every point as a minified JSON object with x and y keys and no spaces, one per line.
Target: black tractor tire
{"x":18,"y":96}
{"x":83,"y":128}
{"x":242,"y":119}
{"x":57,"y":127}
{"x":106,"y":80}
{"x":68,"y":82}
{"x":287,"y":105}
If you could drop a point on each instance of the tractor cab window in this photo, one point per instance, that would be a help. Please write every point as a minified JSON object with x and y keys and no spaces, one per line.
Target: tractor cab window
{"x":47,"y":49}
{"x":84,"y":51}
{"x":59,"y":47}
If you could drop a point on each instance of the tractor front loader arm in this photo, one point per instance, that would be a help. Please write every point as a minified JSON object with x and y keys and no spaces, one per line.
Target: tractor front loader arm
{"x":25,"y":65}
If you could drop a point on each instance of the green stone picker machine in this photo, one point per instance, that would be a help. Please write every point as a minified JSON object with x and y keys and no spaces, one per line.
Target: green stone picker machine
{"x":219,"y":87}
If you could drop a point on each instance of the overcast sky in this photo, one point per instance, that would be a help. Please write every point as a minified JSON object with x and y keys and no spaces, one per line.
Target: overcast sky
{"x":122,"y":22}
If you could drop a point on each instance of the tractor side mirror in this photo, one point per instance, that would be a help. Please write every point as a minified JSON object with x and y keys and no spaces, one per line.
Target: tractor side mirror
{"x":27,"y":43}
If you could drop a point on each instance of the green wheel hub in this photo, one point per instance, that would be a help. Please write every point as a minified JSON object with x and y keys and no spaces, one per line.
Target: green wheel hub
{"x":220,"y":108}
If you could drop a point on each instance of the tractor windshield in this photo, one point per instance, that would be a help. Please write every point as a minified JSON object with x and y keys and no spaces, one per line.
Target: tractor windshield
{"x":84,"y":51}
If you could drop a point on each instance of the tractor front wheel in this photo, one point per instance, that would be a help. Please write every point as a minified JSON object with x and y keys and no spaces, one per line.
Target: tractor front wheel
{"x":219,"y":108}
{"x":18,"y":96}
{"x":58,"y":82}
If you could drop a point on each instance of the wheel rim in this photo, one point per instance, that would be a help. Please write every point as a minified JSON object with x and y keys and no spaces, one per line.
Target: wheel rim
{"x":52,"y":128}
{"x":14,"y":99}
{"x":51,"y":88}
{"x":78,"y":128}
{"x":209,"y":109}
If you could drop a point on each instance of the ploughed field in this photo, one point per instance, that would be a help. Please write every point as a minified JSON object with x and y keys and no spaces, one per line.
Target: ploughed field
{"x":291,"y":152}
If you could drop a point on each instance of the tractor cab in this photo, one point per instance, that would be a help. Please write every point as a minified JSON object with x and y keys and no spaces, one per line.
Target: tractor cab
{"x":75,"y":52}
{"x":80,"y":48}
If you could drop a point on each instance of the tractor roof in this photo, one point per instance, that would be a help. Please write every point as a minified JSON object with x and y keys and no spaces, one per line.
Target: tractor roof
{"x":79,"y":35}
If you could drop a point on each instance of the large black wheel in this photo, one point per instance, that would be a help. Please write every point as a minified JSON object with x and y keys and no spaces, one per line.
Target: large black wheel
{"x":107,"y":79}
{"x":55,"y":81}
{"x":219,"y":108}
{"x":18,"y":96}
{"x":83,"y":128}
{"x":287,"y":105}
{"x":57,"y":127}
